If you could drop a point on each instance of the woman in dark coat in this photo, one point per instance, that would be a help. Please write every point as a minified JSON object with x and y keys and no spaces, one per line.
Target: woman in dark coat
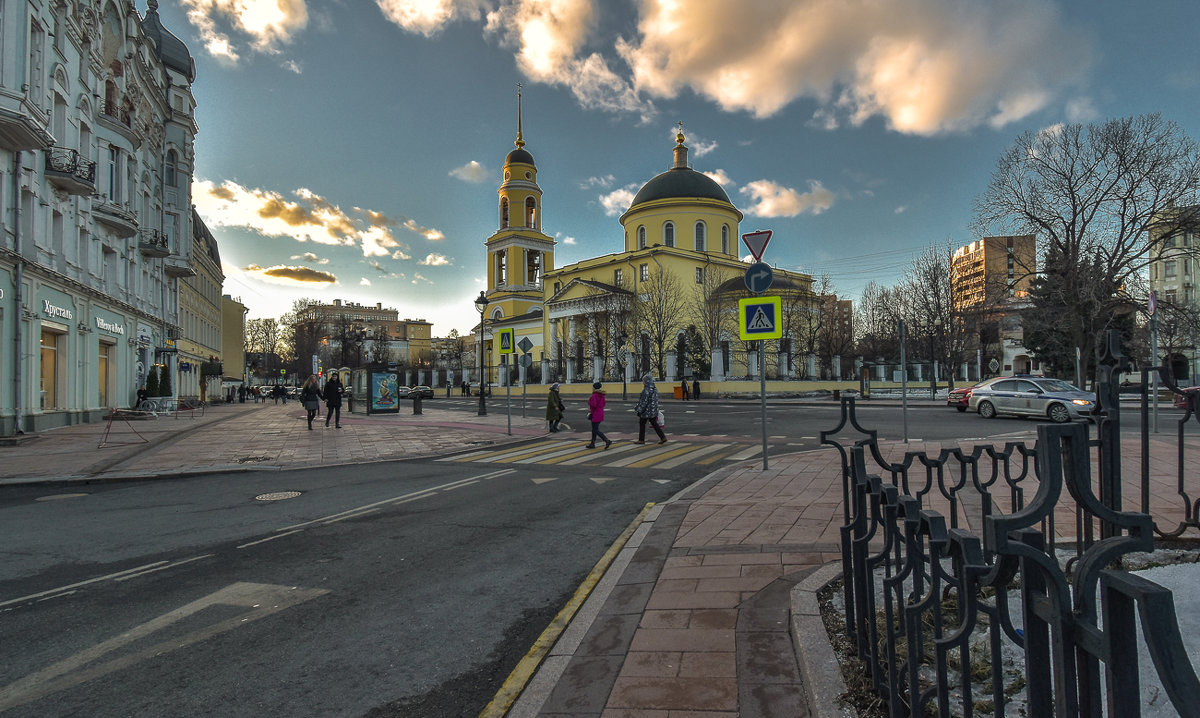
{"x":310,"y":397}
{"x":333,"y":401}
{"x":647,"y":410}
{"x":554,"y":407}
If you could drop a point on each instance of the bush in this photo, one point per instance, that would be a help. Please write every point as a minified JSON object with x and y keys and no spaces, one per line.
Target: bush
{"x":164,"y":381}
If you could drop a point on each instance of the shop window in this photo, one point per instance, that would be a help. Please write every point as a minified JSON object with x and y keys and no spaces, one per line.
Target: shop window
{"x":52,"y":364}
{"x":102,"y":367}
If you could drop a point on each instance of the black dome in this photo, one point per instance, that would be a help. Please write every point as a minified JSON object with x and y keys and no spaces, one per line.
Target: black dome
{"x":520,"y":155}
{"x":169,"y":49}
{"x":680,"y":182}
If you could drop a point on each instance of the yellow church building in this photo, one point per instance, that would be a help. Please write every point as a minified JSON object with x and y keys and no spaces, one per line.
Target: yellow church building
{"x":666,"y":305}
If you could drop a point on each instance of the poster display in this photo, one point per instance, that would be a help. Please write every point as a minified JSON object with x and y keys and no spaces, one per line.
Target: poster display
{"x":383,"y":386}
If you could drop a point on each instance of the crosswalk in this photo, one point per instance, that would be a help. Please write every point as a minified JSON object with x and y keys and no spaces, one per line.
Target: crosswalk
{"x":622,"y":454}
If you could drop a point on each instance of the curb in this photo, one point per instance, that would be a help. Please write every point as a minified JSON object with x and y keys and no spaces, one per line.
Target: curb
{"x":819,"y":672}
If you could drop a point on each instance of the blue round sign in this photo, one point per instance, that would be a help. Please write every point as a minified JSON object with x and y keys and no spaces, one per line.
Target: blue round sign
{"x":759,"y":277}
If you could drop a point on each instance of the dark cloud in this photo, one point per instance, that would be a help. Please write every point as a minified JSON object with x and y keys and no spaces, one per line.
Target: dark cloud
{"x":300,"y":274}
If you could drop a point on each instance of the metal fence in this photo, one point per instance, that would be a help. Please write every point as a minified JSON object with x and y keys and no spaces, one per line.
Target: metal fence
{"x":959,"y":598}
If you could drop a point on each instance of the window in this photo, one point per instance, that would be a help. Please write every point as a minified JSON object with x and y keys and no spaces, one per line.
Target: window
{"x":1170,"y":268}
{"x":645,"y":272}
{"x":725,"y":239}
{"x":669,"y":234}
{"x":618,"y":276}
{"x":533,"y":267}
{"x":501,"y":269}
{"x":503,"y":212}
{"x":531,"y":212}
{"x":50,"y":370}
{"x":171,"y":169}
{"x":641,"y":237}
{"x":700,"y":235}
{"x":699,"y":275}
{"x":102,"y":361}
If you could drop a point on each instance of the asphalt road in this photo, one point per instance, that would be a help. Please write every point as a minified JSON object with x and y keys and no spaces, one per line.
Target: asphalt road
{"x":402,"y":589}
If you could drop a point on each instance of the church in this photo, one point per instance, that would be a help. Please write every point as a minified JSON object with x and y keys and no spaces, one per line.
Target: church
{"x":666,"y":305}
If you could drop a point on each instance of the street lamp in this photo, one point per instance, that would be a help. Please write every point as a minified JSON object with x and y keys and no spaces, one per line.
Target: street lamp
{"x":481,"y":303}
{"x":935,"y":327}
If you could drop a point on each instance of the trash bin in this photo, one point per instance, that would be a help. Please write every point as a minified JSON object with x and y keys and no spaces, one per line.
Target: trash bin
{"x":679,"y":392}
{"x":416,"y":403}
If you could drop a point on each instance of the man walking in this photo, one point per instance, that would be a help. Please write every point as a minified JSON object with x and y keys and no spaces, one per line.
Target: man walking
{"x":333,"y":401}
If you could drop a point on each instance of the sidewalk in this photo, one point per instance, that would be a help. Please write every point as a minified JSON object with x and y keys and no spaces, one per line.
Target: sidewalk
{"x":707,"y":611}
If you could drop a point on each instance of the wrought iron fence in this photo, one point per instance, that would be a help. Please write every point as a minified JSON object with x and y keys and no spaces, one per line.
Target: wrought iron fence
{"x":960,"y":602}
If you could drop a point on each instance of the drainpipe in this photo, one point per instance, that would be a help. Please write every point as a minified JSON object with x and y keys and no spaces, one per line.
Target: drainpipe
{"x":18,"y":299}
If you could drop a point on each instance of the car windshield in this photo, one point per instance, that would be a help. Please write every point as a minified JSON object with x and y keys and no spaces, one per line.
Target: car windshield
{"x":1057,"y":385}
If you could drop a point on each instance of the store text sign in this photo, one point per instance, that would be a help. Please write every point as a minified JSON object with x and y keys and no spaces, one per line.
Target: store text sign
{"x":55,"y":311}
{"x":110,"y":327}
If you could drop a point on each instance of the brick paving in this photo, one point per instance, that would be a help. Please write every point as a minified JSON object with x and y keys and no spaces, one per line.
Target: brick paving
{"x":692,"y":619}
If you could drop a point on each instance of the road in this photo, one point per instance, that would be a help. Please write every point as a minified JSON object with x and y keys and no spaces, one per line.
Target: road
{"x":401,"y":589}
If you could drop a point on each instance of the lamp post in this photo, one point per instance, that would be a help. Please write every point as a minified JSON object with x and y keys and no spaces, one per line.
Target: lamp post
{"x":481,"y":303}
{"x":937,"y":325}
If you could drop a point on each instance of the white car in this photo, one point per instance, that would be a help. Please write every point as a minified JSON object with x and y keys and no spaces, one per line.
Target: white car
{"x":1031,"y":396}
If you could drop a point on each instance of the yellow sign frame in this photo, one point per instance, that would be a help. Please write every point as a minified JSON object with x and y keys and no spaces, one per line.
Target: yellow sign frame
{"x":501,"y":336}
{"x":748,"y":333}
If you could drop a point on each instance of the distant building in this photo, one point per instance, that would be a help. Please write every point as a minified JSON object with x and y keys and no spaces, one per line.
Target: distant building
{"x":990,"y":280}
{"x":1174,"y":273}
{"x":97,"y":129}
{"x":233,"y":340}
{"x":357,"y":334}
{"x":200,"y":317}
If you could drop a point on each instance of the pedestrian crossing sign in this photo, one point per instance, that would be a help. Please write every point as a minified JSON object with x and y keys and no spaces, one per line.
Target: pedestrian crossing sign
{"x":759,"y":318}
{"x":504,"y":338}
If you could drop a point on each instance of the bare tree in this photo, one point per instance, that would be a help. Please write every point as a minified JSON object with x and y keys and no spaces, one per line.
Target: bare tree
{"x":660,"y":305}
{"x":1098,"y":197}
{"x":877,"y":314}
{"x":714,"y":316}
{"x":308,"y":333}
{"x":929,"y":294}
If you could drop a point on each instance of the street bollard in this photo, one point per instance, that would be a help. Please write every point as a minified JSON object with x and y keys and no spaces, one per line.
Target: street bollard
{"x":416,"y":403}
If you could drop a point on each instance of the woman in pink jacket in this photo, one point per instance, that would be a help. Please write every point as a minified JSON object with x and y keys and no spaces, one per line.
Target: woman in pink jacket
{"x":596,"y":415}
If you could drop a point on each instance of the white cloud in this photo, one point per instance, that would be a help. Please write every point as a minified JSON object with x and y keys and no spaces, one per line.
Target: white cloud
{"x":720,"y":177}
{"x":925,"y":66}
{"x":1080,"y":110}
{"x":418,"y":279}
{"x":471,"y":172}
{"x":774,"y":200}
{"x":435,"y":260}
{"x":293,"y":66}
{"x":310,"y":257}
{"x":364,"y":282}
{"x":428,"y":17}
{"x":266,"y":24}
{"x":901,"y":209}
{"x":565,"y":239}
{"x":602,"y":182}
{"x":432,"y":235}
{"x":616,"y":202}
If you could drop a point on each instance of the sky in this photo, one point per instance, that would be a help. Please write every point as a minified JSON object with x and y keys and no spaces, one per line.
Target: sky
{"x":352,"y":149}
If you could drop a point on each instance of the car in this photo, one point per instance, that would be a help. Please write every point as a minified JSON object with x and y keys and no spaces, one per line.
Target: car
{"x":1025,"y":395}
{"x":422,"y":391}
{"x":1181,"y":400}
{"x":959,"y":398}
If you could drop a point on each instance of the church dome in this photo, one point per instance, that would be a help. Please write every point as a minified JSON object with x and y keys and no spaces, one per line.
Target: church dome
{"x":679,"y":183}
{"x":519,"y":155}
{"x":168,"y":48}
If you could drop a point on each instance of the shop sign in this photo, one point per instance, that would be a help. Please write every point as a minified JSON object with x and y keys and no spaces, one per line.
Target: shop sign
{"x":109,"y":326}
{"x":56,"y":305}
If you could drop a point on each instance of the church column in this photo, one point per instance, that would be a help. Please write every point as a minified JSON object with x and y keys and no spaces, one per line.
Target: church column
{"x":569,"y":359}
{"x":718,"y":363}
{"x":670,"y":366}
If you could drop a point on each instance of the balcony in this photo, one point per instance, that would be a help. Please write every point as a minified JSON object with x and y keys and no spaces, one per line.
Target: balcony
{"x":70,"y":171}
{"x":23,"y":126}
{"x":119,"y":119}
{"x":153,"y":243}
{"x":177,"y":266}
{"x":118,"y":217}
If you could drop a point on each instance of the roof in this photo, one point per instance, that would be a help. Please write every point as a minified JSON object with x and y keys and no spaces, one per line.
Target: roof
{"x":519,"y":155}
{"x":168,"y":48}
{"x":680,"y":182}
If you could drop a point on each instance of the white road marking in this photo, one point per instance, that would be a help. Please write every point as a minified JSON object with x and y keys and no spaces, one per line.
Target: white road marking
{"x":163,"y":568}
{"x":270,"y":538}
{"x":61,"y":589}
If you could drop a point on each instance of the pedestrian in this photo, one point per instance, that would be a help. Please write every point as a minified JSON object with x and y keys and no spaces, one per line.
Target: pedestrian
{"x":242,"y":394}
{"x":686,"y":393}
{"x":466,"y":388}
{"x":142,"y":395}
{"x":310,"y":397}
{"x":596,"y":415}
{"x":647,"y":410}
{"x":554,"y":408}
{"x":333,"y":401}
{"x":276,"y":393}
{"x":695,"y":390}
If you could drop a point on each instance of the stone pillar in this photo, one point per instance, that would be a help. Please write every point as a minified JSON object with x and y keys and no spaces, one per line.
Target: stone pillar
{"x":521,"y":373}
{"x":670,"y":366}
{"x":629,"y":375}
{"x":752,"y":364}
{"x":545,"y":371}
{"x":920,"y":373}
{"x":597,"y":368}
{"x":812,"y":367}
{"x":570,"y":371}
{"x":837,"y":366}
{"x":718,"y":364}
{"x":881,"y":372}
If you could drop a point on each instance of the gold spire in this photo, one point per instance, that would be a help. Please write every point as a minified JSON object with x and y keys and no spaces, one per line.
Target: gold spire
{"x":520,"y":138}
{"x":679,"y":137}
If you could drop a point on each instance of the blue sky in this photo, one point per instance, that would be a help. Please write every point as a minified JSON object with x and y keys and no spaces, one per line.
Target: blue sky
{"x":352,"y":148}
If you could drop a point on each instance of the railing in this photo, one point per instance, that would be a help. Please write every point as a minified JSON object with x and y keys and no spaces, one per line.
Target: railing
{"x":950,"y":568}
{"x":154,"y":243}
{"x":70,"y":162}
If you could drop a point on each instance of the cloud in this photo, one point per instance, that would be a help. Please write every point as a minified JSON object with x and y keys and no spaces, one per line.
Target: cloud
{"x":602,"y":182}
{"x":616,"y":202}
{"x":304,"y":275}
{"x":310,"y":257}
{"x":418,"y":279}
{"x":720,"y":177}
{"x":377,"y":267}
{"x":293,"y":66}
{"x":435,"y":260}
{"x":564,"y":239}
{"x":307,"y":218}
{"x":364,"y":282}
{"x":266,"y":24}
{"x":775,"y":200}
{"x":471,"y":172}
{"x":428,"y":17}
{"x":925,"y":66}
{"x":901,"y":209}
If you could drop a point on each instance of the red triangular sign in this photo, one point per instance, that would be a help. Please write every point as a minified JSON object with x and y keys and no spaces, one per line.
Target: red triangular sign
{"x":756,"y":242}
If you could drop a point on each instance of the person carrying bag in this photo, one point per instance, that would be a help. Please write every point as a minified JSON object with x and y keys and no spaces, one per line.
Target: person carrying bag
{"x":554,"y":408}
{"x":647,"y":410}
{"x":310,"y":396}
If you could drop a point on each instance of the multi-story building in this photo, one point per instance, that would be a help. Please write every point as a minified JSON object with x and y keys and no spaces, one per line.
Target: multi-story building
{"x":989,"y":283}
{"x":373,"y":335}
{"x":1174,"y":274}
{"x":200,"y":317}
{"x":97,"y":125}
{"x":233,"y":342}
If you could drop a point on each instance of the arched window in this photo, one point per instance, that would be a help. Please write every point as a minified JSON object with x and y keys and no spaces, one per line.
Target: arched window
{"x":531,"y":212}
{"x":172,"y":168}
{"x":669,"y":234}
{"x":503,"y":212}
{"x":641,"y":237}
{"x":700,"y":236}
{"x":110,"y":98}
{"x":724,"y":239}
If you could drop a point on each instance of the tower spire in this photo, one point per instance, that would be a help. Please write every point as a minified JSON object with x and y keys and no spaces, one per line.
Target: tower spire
{"x":520,"y":138}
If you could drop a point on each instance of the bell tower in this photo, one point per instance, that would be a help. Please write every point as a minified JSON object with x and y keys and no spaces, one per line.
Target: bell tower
{"x":518,"y":254}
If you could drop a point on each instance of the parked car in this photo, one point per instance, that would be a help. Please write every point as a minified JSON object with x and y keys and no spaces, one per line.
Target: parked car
{"x":1056,"y":399}
{"x":959,"y":398}
{"x":1181,"y":399}
{"x":422,"y":391}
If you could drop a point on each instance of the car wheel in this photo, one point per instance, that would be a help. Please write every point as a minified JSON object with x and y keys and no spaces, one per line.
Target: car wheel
{"x":986,"y":410}
{"x":961,"y":408}
{"x":1058,"y":413}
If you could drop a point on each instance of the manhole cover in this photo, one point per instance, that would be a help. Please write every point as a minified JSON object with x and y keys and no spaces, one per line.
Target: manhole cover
{"x":277,"y":496}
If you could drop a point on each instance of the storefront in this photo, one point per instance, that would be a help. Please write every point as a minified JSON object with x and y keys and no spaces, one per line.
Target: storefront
{"x":111,"y":360}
